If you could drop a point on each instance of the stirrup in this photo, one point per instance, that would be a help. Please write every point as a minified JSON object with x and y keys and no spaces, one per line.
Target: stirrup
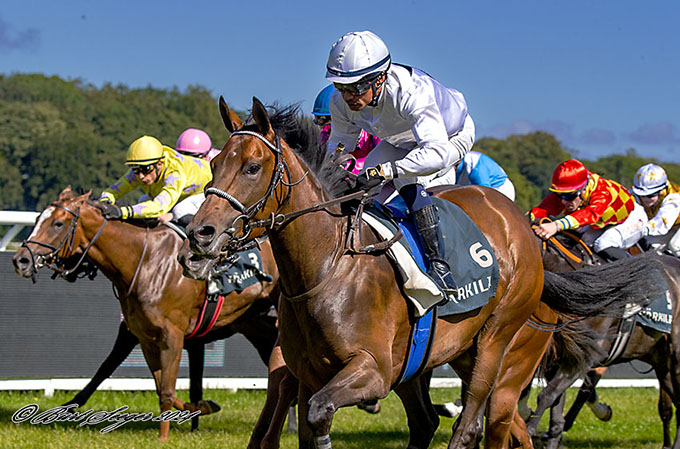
{"x":444,"y":280}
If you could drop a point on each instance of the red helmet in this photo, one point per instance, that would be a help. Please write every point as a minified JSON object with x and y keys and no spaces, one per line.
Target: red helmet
{"x":569,"y":176}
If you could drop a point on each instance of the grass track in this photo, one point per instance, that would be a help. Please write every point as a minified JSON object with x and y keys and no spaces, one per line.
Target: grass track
{"x":635,"y":424}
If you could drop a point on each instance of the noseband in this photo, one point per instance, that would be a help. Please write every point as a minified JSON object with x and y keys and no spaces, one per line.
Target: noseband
{"x":54,"y":261}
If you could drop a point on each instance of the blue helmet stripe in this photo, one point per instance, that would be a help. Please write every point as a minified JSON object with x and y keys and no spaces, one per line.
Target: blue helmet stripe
{"x":358,"y":72}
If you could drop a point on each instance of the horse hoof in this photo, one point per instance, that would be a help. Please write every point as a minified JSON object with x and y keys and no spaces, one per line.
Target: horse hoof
{"x":370,"y":407}
{"x":208,"y":407}
{"x":602,"y":411}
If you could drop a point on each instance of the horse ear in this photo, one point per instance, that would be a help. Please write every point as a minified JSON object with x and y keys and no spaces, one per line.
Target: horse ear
{"x":65,"y":193}
{"x":231,"y":121}
{"x":259,"y":113}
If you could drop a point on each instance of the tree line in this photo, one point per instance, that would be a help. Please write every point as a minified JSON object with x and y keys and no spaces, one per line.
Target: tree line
{"x":57,"y":132}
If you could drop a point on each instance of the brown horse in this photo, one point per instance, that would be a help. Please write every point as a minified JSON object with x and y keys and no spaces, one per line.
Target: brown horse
{"x":159,"y":304}
{"x":343,"y":322}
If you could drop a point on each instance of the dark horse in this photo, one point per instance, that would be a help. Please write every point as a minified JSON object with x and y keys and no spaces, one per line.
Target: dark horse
{"x":159,"y":304}
{"x":343,"y":322}
{"x":645,"y":344}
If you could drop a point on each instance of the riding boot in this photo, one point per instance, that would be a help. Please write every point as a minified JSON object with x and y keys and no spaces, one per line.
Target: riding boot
{"x":612,"y":254}
{"x":427,"y":223}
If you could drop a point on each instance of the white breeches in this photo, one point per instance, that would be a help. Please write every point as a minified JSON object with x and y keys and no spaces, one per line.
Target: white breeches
{"x":623,"y":235}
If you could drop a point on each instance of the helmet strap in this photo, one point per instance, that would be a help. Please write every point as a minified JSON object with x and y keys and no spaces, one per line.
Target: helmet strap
{"x":375,"y":85}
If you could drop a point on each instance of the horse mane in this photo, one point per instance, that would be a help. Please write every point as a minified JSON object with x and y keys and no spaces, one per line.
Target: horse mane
{"x":303,"y":137}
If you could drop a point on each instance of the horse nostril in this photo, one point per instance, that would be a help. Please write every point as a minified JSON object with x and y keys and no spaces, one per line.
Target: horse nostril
{"x":205,"y":233}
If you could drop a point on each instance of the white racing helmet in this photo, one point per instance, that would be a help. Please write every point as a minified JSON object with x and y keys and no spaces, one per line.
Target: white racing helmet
{"x":649,"y":179}
{"x":355,"y":56}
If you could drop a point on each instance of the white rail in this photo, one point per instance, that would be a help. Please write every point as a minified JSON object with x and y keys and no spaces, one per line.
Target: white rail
{"x":18,"y":219}
{"x":49,"y":386}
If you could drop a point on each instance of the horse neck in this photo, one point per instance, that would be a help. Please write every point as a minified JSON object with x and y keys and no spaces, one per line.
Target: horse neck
{"x":305,"y":249}
{"x":117,"y":250}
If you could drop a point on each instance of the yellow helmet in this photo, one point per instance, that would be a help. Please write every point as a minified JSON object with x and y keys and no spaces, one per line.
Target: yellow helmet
{"x":144,"y":151}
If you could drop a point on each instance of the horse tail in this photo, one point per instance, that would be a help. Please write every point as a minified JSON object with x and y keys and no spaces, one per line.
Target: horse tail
{"x":606,"y":289}
{"x":574,"y":349}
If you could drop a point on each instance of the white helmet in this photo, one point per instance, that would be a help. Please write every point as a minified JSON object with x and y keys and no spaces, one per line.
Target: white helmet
{"x":649,"y":180}
{"x":356,"y":55}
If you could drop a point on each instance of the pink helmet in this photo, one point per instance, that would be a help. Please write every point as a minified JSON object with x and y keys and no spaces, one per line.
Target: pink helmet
{"x":194,"y":142}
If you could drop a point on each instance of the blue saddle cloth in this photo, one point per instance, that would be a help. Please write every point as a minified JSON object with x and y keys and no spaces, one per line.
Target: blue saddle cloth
{"x":468,"y":252}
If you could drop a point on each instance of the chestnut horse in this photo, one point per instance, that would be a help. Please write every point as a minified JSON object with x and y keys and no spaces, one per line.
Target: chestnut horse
{"x":343,"y":322}
{"x":159,"y":304}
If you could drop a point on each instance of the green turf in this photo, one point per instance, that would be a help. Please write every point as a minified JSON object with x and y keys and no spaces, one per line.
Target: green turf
{"x":635,"y":424}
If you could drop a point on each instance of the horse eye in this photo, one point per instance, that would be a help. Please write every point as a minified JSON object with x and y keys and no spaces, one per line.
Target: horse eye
{"x":58,"y":224}
{"x":253,"y":169}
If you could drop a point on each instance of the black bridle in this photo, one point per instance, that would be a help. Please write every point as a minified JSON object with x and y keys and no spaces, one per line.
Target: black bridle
{"x":248,"y":213}
{"x":54,"y":260}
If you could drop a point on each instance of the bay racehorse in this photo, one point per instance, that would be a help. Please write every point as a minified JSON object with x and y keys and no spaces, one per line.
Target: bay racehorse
{"x":159,"y":304}
{"x":343,"y":322}
{"x":566,"y":253}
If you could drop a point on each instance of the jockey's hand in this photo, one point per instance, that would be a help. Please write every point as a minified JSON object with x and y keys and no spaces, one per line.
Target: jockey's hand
{"x":546,"y":230}
{"x":111,"y":211}
{"x":372,"y":177}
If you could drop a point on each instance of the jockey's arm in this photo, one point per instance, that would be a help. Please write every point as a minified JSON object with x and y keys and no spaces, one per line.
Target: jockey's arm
{"x":163,"y":202}
{"x":665,"y":218}
{"x":125,"y":184}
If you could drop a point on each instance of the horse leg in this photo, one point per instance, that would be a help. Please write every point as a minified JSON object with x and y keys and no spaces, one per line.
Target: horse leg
{"x":556,"y":423}
{"x":125,"y":343}
{"x":586,"y":394}
{"x":523,"y":403}
{"x":421,"y":415}
{"x":665,"y":405}
{"x":490,"y":350}
{"x":519,"y":437}
{"x":306,"y":438}
{"x":359,"y":380}
{"x":164,"y":362}
{"x":558,"y":382}
{"x":282,"y":389}
{"x":196,"y":353}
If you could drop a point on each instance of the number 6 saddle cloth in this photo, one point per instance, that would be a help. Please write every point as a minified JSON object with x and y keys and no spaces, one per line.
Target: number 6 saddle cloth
{"x":468,"y":252}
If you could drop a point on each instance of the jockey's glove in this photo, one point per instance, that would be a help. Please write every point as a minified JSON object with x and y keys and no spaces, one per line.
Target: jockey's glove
{"x":111,"y":211}
{"x":372,"y":177}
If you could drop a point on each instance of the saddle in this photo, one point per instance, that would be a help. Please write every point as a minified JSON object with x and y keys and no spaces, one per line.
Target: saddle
{"x":467,"y":250}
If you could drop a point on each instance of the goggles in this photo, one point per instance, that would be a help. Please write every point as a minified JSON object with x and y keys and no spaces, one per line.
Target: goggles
{"x":651,"y":195}
{"x":358,"y":88}
{"x":321,"y":120}
{"x":143,"y":169}
{"x":569,"y":196}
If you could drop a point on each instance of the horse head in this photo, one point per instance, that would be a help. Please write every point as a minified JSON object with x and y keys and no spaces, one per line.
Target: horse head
{"x":55,"y":237}
{"x":247,"y":174}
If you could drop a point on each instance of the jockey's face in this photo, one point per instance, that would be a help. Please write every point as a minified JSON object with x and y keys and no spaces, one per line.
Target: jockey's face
{"x":649,"y":200}
{"x":152,"y":176}
{"x":571,"y":206}
{"x":360,"y":94}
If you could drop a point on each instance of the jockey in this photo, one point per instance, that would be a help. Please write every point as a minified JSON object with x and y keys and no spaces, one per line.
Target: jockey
{"x":322,"y":118}
{"x":607,"y":215}
{"x":479,"y":169}
{"x":661,"y":201}
{"x":196,"y":142}
{"x":169,"y":180}
{"x":424,"y":126}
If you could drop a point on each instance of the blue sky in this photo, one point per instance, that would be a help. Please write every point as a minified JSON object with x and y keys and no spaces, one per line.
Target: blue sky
{"x":601,"y":75}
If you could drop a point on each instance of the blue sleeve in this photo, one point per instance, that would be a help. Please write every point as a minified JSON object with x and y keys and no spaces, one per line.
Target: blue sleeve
{"x":487,"y":173}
